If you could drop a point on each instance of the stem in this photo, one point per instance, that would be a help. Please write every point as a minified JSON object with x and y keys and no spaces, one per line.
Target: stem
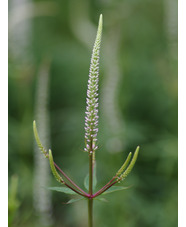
{"x":90,"y":174}
{"x":90,"y":200}
{"x":61,"y":171}
{"x":90,"y":212}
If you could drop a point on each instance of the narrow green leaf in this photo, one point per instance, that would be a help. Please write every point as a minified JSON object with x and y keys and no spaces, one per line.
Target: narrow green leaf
{"x":86,"y":180}
{"x":94,"y":177}
{"x":63,"y":190}
{"x":114,"y":189}
{"x":101,"y":199}
{"x":74,"y":200}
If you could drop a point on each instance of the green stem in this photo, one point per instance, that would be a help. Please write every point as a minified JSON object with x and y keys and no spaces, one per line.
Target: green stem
{"x":90,"y":200}
{"x":90,"y":212}
{"x":90,"y":173}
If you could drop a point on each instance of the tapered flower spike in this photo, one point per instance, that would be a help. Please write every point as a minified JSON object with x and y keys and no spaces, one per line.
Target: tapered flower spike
{"x":124,"y":164}
{"x":54,"y":171}
{"x":38,"y":141}
{"x":130,"y":166}
{"x":91,"y":118}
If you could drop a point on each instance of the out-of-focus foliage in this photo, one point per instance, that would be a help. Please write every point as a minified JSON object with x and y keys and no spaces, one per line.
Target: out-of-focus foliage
{"x":13,"y":203}
{"x":147,"y":101}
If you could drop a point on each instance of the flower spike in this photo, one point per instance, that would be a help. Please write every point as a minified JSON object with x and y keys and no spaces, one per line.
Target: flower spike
{"x":124,"y":164}
{"x":54,"y":171}
{"x":91,"y":118}
{"x":130,"y":166}
{"x":38,"y":141}
{"x":54,"y":166}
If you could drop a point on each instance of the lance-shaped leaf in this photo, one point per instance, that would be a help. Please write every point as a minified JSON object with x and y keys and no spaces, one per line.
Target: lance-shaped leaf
{"x":65,"y":190}
{"x":101,"y":199}
{"x":53,"y":168}
{"x":114,"y":189}
{"x":38,"y":141}
{"x":131,"y":165}
{"x":86,"y":180}
{"x":125,"y":164}
{"x":74,"y":200}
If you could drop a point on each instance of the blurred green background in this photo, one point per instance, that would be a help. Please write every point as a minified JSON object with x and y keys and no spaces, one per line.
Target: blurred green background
{"x":50,"y":46}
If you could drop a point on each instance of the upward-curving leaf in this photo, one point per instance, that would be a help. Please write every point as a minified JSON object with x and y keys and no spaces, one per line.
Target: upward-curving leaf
{"x":86,"y":180}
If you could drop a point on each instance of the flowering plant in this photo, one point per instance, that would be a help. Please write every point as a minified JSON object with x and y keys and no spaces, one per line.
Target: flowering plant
{"x":91,"y":130}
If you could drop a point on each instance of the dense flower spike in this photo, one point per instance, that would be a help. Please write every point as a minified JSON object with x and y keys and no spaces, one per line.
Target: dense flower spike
{"x":38,"y":141}
{"x":125,"y":164}
{"x":91,"y":118}
{"x":130,"y":166}
{"x":53,"y":169}
{"x":53,"y":166}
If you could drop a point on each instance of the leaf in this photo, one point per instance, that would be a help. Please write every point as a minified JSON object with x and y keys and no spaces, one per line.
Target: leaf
{"x":63,"y":190}
{"x":101,"y":199}
{"x":86,"y":180}
{"x":115,"y":188}
{"x":74,"y":200}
